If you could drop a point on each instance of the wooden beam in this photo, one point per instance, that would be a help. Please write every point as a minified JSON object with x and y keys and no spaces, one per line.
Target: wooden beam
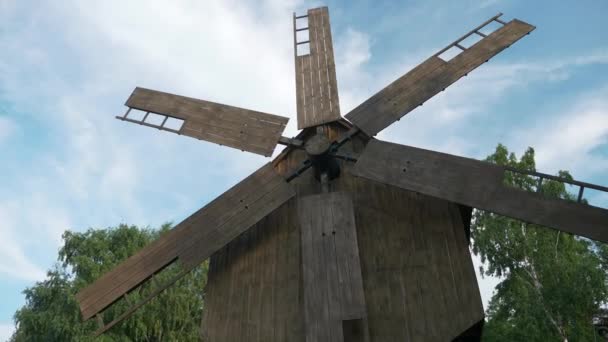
{"x":316,"y":85}
{"x":429,"y":78}
{"x":239,"y":128}
{"x":477,"y":184}
{"x":333,"y":285}
{"x":194,"y":239}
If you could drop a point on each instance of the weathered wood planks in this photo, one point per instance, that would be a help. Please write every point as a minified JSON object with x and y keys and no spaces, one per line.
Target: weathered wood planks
{"x":240,"y":128}
{"x":253,"y":288}
{"x":396,"y":230}
{"x":429,"y":78}
{"x":477,"y":184}
{"x":418,"y":275}
{"x":331,"y":271}
{"x":316,"y":85}
{"x":194,"y":239}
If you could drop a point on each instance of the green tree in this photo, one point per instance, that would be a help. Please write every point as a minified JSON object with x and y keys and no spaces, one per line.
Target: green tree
{"x":51,"y":312}
{"x":552,"y":283}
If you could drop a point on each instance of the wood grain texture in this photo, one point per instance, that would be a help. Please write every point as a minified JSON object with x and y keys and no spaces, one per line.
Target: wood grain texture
{"x":316,"y":85}
{"x":332,"y":282}
{"x":194,"y":239}
{"x":239,"y":128}
{"x":395,"y":230}
{"x":429,"y":78}
{"x":477,"y":184}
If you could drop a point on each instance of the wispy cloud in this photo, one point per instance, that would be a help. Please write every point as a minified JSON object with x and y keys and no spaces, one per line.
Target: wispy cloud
{"x":352,"y":55}
{"x":568,"y":140}
{"x":6,"y":329}
{"x":98,"y":171}
{"x":14,"y":261}
{"x":7,"y":127}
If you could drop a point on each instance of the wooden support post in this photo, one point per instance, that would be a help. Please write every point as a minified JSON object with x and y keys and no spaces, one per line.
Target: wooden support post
{"x":475,"y":30}
{"x":580,"y":194}
{"x":540,"y":183}
{"x":460,"y":46}
{"x":500,"y":21}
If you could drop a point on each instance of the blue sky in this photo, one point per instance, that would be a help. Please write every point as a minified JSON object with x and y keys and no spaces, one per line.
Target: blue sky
{"x":67,"y":67}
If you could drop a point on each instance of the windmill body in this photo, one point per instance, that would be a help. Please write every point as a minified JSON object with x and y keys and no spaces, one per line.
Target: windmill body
{"x":342,"y":237}
{"x":417,"y":276}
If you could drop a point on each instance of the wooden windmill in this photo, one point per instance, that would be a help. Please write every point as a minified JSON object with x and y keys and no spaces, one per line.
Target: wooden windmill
{"x":370,"y":244}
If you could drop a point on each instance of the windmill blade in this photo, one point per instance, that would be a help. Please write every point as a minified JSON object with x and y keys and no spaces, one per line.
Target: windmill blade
{"x":316,"y":85}
{"x":193,"y":240}
{"x":240,"y":128}
{"x":432,"y":76}
{"x":332,"y":281}
{"x":478,"y":184}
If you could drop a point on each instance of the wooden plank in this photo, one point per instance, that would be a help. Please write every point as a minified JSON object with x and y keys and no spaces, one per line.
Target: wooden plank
{"x":321,"y":65}
{"x":369,"y":122}
{"x":430,"y":78}
{"x":471,"y":299}
{"x":202,"y":243}
{"x":187,"y":108}
{"x":236,"y":127}
{"x":268,"y":283}
{"x":161,"y":252}
{"x":328,"y":252}
{"x":434,"y":226}
{"x":332,"y":84}
{"x":229,"y":137}
{"x":223,"y":219}
{"x":445,"y":266}
{"x":308,"y":96}
{"x":317,"y":96}
{"x":476,"y":184}
{"x":347,"y":256}
{"x":149,"y":260}
{"x":280,"y":296}
{"x":329,"y":261}
{"x":142,"y":267}
{"x":313,"y":304}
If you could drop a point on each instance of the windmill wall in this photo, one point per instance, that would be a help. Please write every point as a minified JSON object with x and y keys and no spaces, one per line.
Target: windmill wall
{"x":418,"y":276}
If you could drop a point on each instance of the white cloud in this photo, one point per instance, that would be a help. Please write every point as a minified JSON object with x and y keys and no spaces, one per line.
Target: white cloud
{"x":567,"y":140}
{"x":14,"y":261}
{"x":6,"y":331}
{"x":352,"y":54}
{"x":230,"y":52}
{"x":7,"y":128}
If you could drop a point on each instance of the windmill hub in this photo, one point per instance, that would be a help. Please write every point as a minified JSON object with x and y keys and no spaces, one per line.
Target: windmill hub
{"x":317,"y":147}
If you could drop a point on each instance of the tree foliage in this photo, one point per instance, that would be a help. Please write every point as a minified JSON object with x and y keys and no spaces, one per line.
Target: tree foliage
{"x":51,"y":312}
{"x":552,"y":282}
